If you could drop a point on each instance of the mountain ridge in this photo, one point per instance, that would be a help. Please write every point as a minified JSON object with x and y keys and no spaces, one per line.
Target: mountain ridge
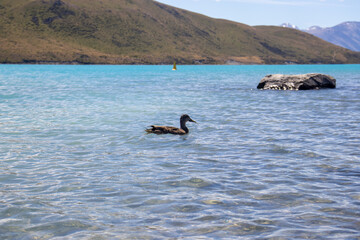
{"x":346,"y":34}
{"x":147,"y":32}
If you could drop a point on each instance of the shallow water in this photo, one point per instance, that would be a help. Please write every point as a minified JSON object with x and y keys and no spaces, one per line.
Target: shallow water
{"x":75,"y":161}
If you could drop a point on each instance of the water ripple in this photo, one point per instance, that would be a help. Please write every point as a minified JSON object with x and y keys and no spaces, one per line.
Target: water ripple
{"x":76,"y":162}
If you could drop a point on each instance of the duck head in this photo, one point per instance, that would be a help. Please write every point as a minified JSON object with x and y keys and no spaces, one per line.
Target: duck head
{"x":186,"y":118}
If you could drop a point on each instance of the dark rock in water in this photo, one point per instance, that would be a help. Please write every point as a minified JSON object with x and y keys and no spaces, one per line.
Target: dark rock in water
{"x":297,"y":82}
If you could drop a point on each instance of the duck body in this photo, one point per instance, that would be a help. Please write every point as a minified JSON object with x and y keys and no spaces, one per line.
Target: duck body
{"x":166,"y":129}
{"x":172,"y":130}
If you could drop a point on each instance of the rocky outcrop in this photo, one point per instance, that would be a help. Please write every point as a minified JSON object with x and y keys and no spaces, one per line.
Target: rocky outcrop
{"x":297,"y":82}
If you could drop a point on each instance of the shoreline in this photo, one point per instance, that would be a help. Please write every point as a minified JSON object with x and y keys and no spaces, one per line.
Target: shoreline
{"x":168,"y":64}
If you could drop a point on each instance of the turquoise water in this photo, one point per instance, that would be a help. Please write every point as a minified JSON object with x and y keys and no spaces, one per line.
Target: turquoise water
{"x":75,"y":162}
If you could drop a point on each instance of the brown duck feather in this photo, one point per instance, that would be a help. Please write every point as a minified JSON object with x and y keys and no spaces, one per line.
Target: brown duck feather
{"x":172,"y":130}
{"x":165,"y":129}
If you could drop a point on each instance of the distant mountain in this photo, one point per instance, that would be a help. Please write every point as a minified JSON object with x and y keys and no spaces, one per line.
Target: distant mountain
{"x":288,"y":25}
{"x":147,"y":32}
{"x":346,"y":34}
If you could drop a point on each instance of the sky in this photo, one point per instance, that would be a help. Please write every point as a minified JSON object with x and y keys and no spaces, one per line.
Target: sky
{"x":303,"y":13}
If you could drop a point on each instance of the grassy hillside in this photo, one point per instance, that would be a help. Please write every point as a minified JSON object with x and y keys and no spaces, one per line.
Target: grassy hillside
{"x":145,"y":31}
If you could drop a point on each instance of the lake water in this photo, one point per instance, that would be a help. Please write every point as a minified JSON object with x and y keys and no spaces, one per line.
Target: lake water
{"x":75,"y":162}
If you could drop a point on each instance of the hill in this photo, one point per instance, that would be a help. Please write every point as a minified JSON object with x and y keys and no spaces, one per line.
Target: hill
{"x":346,"y":34}
{"x":147,"y":32}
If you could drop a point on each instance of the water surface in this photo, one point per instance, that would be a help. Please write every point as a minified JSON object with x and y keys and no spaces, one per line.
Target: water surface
{"x":75,"y":162}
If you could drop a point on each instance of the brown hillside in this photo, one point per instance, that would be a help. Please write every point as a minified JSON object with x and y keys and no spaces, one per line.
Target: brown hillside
{"x":146,"y":32}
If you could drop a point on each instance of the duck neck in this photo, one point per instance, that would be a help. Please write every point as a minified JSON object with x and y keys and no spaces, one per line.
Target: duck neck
{"x":183,"y":126}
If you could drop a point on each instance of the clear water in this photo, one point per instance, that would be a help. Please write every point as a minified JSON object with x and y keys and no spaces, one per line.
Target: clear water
{"x":75,"y":162}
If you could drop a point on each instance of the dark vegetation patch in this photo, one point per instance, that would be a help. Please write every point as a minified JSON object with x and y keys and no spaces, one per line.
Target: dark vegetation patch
{"x":273,"y":49}
{"x":59,"y":10}
{"x":170,"y":10}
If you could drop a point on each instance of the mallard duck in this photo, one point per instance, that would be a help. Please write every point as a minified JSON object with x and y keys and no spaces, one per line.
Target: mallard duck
{"x":173,"y":130}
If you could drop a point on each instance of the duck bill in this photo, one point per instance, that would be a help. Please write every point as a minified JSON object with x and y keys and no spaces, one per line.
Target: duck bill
{"x":190,"y":120}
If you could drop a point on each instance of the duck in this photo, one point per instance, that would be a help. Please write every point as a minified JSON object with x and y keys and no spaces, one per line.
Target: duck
{"x":172,"y":130}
